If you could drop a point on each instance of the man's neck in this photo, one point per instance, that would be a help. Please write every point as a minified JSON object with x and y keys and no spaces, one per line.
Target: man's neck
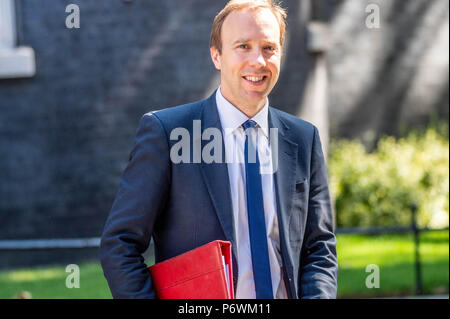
{"x":251,"y":111}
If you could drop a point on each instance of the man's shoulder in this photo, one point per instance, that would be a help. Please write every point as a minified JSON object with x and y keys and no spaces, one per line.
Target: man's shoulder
{"x":293,"y":122}
{"x":177,"y":116}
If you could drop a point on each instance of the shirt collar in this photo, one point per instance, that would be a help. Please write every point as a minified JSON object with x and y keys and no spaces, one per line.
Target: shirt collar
{"x":232,"y":118}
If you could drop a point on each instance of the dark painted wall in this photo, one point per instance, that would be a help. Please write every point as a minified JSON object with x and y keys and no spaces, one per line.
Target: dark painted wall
{"x":65,"y":134}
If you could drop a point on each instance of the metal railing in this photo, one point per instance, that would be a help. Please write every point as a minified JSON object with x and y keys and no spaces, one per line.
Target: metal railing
{"x":26,"y":244}
{"x":94,"y":242}
{"x":413,"y":228}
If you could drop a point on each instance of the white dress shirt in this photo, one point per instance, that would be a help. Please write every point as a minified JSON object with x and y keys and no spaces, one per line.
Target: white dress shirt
{"x":231,"y":119}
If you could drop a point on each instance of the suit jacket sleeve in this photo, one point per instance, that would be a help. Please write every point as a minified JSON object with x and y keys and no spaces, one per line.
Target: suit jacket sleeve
{"x":318,"y":257}
{"x":140,"y":199}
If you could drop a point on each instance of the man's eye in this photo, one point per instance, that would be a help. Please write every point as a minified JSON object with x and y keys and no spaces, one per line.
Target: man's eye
{"x":243,"y":46}
{"x":270,"y":48}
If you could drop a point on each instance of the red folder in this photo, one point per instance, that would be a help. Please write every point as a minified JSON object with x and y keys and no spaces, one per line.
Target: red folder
{"x":202,"y":273}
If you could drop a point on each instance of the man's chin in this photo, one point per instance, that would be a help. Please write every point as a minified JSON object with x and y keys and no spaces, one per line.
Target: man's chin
{"x":256,"y":95}
{"x":255,"y":99}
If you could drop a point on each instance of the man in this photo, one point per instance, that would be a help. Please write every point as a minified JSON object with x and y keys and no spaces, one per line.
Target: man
{"x":278,"y":220}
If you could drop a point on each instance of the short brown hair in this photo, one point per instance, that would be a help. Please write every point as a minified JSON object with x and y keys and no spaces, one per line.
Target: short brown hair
{"x":234,"y":5}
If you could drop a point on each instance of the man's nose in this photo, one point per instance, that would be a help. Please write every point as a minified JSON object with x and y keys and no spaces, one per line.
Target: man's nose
{"x":257,"y":59}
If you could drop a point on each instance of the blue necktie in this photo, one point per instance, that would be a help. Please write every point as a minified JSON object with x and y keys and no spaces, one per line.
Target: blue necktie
{"x":256,"y":219}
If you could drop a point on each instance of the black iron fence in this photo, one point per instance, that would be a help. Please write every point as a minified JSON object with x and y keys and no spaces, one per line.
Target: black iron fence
{"x":74,"y":243}
{"x":413,"y":228}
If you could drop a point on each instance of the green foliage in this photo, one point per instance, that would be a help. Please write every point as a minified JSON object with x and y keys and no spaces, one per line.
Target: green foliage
{"x":378,"y":188}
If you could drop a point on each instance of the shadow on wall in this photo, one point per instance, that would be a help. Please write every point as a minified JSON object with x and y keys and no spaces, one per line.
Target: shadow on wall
{"x":401,"y":76}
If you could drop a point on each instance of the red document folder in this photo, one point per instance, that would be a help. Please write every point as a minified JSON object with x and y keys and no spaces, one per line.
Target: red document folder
{"x":202,"y":273}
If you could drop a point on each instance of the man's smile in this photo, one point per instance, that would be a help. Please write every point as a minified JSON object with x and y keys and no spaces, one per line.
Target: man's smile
{"x":255,"y":80}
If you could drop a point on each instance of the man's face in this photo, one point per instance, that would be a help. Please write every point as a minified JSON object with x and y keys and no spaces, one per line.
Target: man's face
{"x":250,"y":58}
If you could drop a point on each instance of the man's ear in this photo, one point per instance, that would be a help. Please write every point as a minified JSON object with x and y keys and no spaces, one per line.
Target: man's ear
{"x":215,"y":57}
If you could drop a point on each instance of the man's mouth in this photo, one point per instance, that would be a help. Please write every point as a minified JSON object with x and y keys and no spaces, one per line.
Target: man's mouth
{"x":255,"y":80}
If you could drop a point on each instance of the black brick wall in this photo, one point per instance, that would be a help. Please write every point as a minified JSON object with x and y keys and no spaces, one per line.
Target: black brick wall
{"x":65,"y":134}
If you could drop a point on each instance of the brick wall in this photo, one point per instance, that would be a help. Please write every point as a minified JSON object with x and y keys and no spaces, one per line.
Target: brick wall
{"x":391,"y":79}
{"x":65,"y":134}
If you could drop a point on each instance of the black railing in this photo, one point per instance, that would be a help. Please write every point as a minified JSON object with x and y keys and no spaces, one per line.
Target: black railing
{"x":71,"y":243}
{"x":413,"y":228}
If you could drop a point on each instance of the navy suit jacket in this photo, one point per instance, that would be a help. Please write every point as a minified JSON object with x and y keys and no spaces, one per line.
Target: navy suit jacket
{"x":183,"y":206}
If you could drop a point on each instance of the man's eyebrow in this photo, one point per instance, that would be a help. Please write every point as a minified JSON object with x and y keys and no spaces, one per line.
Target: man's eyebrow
{"x":244,"y":40}
{"x":272,"y":43}
{"x":241,"y":40}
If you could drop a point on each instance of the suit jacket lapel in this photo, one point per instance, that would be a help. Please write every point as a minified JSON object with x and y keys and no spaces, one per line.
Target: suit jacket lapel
{"x":217,"y":182}
{"x":216,"y":177}
{"x":216,"y":174}
{"x":284,"y":185}
{"x":286,"y":168}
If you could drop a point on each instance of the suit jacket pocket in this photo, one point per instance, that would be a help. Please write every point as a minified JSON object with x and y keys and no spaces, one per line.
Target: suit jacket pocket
{"x":300,"y":186}
{"x":299,"y":212}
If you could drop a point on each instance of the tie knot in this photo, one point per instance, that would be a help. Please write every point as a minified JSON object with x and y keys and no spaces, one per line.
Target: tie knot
{"x":249,"y":124}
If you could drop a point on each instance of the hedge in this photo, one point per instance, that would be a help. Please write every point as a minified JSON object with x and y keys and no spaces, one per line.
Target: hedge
{"x":377,"y":188}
